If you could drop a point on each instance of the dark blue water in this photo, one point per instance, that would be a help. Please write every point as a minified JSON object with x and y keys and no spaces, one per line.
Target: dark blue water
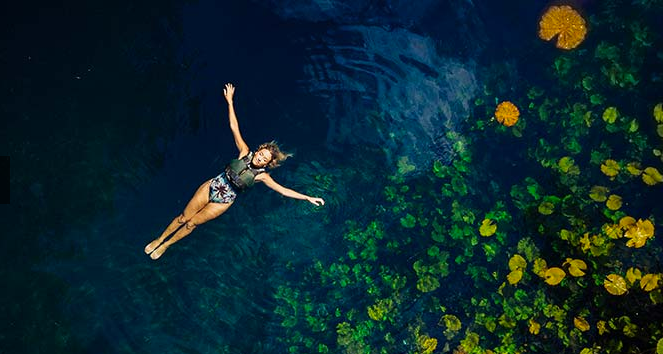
{"x":114,"y":115}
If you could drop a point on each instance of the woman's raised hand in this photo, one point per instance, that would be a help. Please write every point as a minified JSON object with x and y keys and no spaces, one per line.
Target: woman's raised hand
{"x":228,"y":92}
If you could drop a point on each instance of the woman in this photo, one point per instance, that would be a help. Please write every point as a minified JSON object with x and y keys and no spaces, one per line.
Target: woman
{"x":216,"y":195}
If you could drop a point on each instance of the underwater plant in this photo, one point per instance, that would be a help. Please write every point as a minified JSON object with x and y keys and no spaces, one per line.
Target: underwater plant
{"x":565,"y":23}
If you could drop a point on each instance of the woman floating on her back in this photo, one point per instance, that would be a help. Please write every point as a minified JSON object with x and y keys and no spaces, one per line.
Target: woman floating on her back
{"x":216,"y":195}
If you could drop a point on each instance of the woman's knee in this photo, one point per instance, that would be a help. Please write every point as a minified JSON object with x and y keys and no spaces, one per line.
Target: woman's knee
{"x":182,"y":219}
{"x":190,"y":225}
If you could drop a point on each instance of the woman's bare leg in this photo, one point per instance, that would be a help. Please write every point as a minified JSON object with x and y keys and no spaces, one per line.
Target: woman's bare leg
{"x":209,"y":212}
{"x":197,"y":203}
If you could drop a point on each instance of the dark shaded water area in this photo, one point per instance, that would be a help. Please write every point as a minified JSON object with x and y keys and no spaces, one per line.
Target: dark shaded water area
{"x":113,"y":115}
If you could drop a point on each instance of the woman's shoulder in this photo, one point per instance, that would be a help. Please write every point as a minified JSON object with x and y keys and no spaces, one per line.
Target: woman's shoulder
{"x":244,"y":154}
{"x":262,"y":176}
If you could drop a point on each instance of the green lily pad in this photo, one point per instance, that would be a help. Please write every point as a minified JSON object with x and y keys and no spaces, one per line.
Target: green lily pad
{"x":658,"y":112}
{"x":546,"y":208}
{"x":610,"y":115}
{"x":599,"y":193}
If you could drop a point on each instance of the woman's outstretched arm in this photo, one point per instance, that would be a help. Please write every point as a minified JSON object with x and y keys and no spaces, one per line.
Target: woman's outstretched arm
{"x":228,"y":93}
{"x":287,"y":192}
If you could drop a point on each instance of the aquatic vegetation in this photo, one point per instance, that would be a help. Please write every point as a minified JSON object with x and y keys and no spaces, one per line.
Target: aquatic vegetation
{"x":633,"y":275}
{"x":554,"y":275}
{"x":610,"y":168}
{"x":546,"y":207}
{"x":507,"y":113}
{"x":577,"y":267}
{"x":651,"y":176}
{"x":614,"y":202}
{"x":426,"y":344}
{"x":610,"y":115}
{"x":382,"y":310}
{"x":487,"y":228}
{"x":649,"y":282}
{"x":517,"y":265}
{"x":658,"y":113}
{"x":567,"y":165}
{"x":565,"y":23}
{"x":634,"y":168}
{"x":615,"y":284}
{"x":452,"y":325}
{"x":581,"y":324}
{"x":599,"y":193}
{"x":474,"y":209}
{"x":638,"y":232}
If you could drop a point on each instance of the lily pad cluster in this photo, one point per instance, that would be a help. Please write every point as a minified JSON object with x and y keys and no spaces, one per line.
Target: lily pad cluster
{"x":558,"y":253}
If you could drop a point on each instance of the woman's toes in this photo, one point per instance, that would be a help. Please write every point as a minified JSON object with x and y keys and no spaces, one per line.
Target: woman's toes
{"x":151,"y":246}
{"x":158,"y":252}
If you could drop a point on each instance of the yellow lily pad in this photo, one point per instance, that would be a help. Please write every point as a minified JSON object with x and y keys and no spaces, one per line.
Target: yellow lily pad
{"x":659,"y":346}
{"x":426,"y":344}
{"x":546,"y":208}
{"x":634,"y":168}
{"x":514,"y":276}
{"x":615,"y":284}
{"x":639,"y":233}
{"x":633,"y":275}
{"x":534,"y":327}
{"x":599,"y":193}
{"x":613,"y":231}
{"x":626,"y":222}
{"x":576,"y":267}
{"x":601,"y":326}
{"x":610,"y":115}
{"x":658,"y":112}
{"x":649,"y":282}
{"x":452,"y":322}
{"x":614,"y":202}
{"x":581,"y":324}
{"x":487,"y":228}
{"x":610,"y":168}
{"x":517,"y":262}
{"x":651,"y":176}
{"x":659,"y":130}
{"x":554,"y":275}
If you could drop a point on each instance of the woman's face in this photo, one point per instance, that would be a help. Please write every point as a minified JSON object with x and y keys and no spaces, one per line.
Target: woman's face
{"x":261,"y":158}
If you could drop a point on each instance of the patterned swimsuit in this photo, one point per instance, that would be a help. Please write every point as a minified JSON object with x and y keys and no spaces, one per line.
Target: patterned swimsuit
{"x":224,"y":189}
{"x":220,"y":190}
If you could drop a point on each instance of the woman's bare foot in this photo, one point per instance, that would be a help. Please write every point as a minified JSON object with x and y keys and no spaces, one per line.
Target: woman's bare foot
{"x":152,"y":246}
{"x":158,"y":252}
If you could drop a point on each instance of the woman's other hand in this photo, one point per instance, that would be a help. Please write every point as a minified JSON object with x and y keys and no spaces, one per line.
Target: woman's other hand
{"x":316,"y":201}
{"x":229,"y":92}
